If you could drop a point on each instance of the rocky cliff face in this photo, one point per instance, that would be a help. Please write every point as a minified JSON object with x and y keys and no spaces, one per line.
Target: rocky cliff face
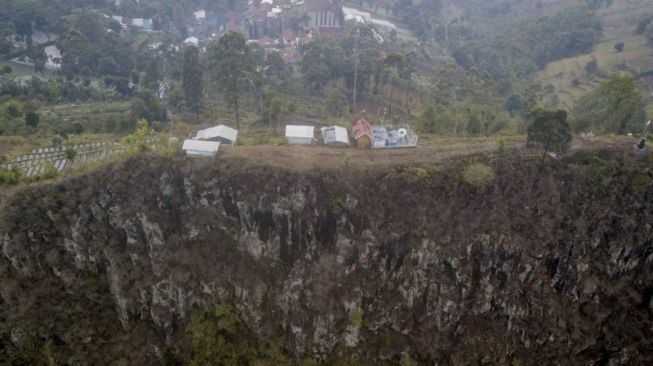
{"x":409,"y":264}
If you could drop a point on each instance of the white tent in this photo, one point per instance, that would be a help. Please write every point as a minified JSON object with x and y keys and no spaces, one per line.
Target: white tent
{"x":299,"y":135}
{"x":335,"y":135}
{"x":200,"y":148}
{"x":222,"y":133}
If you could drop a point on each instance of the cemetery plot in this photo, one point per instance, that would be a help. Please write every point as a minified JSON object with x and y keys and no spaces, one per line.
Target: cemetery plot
{"x":38,"y":160}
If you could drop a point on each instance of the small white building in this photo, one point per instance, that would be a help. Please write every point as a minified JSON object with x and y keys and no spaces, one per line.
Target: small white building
{"x":53,"y":58}
{"x":192,"y":41}
{"x":221,"y":133}
{"x":120,"y":20}
{"x":200,"y":15}
{"x":199,"y":148}
{"x":299,"y":135}
{"x":335,"y":135}
{"x":144,"y":23}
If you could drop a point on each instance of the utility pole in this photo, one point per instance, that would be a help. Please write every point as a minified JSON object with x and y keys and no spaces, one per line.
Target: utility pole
{"x":358,"y":32}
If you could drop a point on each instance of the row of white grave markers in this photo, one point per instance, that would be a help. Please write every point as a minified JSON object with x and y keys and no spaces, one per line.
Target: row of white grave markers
{"x":35,"y":163}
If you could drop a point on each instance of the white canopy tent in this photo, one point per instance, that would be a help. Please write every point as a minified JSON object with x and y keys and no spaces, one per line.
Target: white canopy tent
{"x":222,"y":133}
{"x":199,"y":148}
{"x":335,"y":135}
{"x":300,"y":135}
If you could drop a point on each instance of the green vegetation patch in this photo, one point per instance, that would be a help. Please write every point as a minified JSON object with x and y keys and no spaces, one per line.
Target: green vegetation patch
{"x":220,"y":337}
{"x":356,"y":317}
{"x":479,"y":176}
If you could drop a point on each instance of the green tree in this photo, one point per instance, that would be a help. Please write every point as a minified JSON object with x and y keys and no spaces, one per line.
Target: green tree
{"x":550,"y":130}
{"x":336,"y":103}
{"x":192,"y":82}
{"x":152,"y":74}
{"x":14,"y":110}
{"x":231,"y":67}
{"x":108,"y":66}
{"x":220,"y":337}
{"x":272,"y":111}
{"x":32,"y":119}
{"x":276,"y":69}
{"x":428,"y":120}
{"x":393,"y":61}
{"x":648,"y":32}
{"x":147,"y":106}
{"x":77,"y":52}
{"x":77,"y":128}
{"x":619,"y":46}
{"x":591,"y":67}
{"x":323,"y":61}
{"x":57,"y":141}
{"x":138,"y":139}
{"x":616,"y":106}
{"x":70,"y":153}
{"x":530,"y":100}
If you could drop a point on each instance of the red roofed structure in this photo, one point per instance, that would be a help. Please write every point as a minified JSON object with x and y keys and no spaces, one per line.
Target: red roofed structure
{"x":362,"y":131}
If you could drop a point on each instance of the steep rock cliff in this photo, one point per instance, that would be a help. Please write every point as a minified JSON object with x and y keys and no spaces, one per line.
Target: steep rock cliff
{"x":404,"y":264}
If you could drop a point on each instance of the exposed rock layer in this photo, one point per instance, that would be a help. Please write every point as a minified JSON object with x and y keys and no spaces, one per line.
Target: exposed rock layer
{"x":375,"y":265}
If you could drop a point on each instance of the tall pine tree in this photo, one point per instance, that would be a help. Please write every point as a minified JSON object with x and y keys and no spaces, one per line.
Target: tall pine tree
{"x":232,"y":67}
{"x":192,"y":83}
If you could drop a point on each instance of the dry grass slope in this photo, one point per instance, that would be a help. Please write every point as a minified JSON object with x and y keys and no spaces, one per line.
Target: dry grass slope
{"x":618,"y":22}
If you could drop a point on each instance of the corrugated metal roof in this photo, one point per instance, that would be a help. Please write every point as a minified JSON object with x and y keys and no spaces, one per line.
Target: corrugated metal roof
{"x":299,"y":131}
{"x":201,"y":146}
{"x":220,"y":131}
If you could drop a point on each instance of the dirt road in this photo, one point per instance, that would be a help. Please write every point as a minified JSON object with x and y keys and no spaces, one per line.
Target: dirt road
{"x":307,"y":157}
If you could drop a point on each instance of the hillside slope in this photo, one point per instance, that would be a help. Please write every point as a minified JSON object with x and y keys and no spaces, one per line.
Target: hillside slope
{"x":569,"y":77}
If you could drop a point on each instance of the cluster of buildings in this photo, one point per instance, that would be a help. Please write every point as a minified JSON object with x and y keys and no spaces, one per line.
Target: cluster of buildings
{"x":272,"y":24}
{"x":207,"y":142}
{"x":145,"y":24}
{"x":364,"y":135}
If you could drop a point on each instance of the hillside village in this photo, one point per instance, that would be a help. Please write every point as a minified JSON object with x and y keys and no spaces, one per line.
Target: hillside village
{"x":443,"y":69}
{"x":274,"y":25}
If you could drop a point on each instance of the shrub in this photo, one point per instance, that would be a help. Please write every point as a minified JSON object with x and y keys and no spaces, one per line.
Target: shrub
{"x":71,"y":153}
{"x":32,"y":119}
{"x":57,"y":141}
{"x":10,"y":176}
{"x":356,"y":317}
{"x":479,"y":176}
{"x":591,"y":67}
{"x":619,"y":46}
{"x":49,"y":171}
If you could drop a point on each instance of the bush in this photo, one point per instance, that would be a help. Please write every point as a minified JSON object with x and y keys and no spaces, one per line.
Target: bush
{"x":32,"y":119}
{"x":591,"y":67}
{"x":71,"y":153}
{"x":10,"y":176}
{"x":619,"y":46}
{"x":49,"y":172}
{"x":57,"y":141}
{"x":479,"y":176}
